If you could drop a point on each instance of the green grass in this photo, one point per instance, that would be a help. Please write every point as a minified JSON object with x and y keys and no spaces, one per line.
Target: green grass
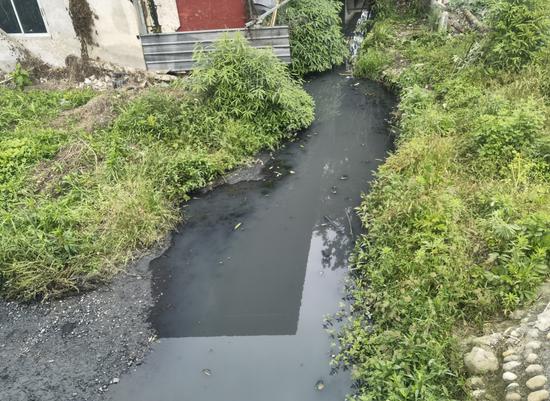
{"x":78,"y":206}
{"x":458,"y":221}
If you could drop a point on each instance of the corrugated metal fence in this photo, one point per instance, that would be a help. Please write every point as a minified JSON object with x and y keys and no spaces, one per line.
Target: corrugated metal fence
{"x":174,"y":51}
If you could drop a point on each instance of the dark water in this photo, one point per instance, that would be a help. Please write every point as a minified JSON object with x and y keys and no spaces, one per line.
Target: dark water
{"x":240,"y":311}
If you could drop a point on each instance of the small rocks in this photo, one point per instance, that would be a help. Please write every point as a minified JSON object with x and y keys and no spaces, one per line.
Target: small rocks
{"x":475,"y":383}
{"x":543,"y":320}
{"x":478,"y":394}
{"x":517,"y":314}
{"x":511,"y":358}
{"x":517,"y":332}
{"x":480,"y":361}
{"x":527,"y":348}
{"x":536,"y":382}
{"x":534,"y":370}
{"x":508,"y":353}
{"x":491,"y":340}
{"x":540,"y":395}
{"x":509,"y":376}
{"x":511,"y":365}
{"x":533,"y":333}
{"x":533,"y":345}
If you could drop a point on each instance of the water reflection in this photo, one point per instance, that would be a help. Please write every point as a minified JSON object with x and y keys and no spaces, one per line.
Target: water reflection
{"x":241,"y":311}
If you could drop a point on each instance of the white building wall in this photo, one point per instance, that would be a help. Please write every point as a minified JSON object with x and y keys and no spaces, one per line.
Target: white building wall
{"x":167,"y":11}
{"x":7,"y":55}
{"x":116,"y":35}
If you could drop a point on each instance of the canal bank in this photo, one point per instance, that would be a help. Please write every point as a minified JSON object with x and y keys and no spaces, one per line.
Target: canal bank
{"x":242,"y":293}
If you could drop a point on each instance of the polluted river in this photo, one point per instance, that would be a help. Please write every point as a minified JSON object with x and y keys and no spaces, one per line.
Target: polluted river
{"x":243,"y":291}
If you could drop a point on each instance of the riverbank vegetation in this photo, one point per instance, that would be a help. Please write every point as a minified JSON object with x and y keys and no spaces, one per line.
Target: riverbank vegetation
{"x":79,"y":201}
{"x":458,"y":221}
{"x":316,"y":37}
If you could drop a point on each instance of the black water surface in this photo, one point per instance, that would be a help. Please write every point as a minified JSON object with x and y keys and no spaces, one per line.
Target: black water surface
{"x":240,"y":310}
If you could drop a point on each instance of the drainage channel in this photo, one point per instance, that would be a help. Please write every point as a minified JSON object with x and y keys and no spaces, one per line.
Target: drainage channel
{"x":249,"y":278}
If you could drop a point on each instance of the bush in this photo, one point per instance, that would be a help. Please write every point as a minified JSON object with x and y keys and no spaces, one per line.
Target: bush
{"x":242,"y":82}
{"x":20,"y":77}
{"x":519,"y":28}
{"x":513,"y":128}
{"x":112,"y":194}
{"x":316,"y":37}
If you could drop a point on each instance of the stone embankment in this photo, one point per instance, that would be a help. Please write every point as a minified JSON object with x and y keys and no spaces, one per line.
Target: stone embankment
{"x":513,"y":362}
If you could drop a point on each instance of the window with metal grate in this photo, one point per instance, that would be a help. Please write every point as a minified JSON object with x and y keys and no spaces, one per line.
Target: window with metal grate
{"x":21,"y":17}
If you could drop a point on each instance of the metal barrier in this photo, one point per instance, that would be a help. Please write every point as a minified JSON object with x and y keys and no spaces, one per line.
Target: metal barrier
{"x":174,"y":51}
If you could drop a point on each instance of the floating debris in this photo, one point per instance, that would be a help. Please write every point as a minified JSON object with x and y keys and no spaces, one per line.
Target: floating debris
{"x":320,"y":385}
{"x":207,"y":372}
{"x":292,"y":172}
{"x":237,"y":226}
{"x":344,"y":177}
{"x":334,"y":190}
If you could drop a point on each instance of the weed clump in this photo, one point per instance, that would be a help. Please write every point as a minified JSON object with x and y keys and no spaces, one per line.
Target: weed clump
{"x":458,"y":221}
{"x":120,"y":191}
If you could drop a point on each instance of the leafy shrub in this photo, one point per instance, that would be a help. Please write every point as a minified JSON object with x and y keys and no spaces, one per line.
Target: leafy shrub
{"x":316,"y":37}
{"x":513,"y":128}
{"x":243,"y":82}
{"x":519,"y":28}
{"x":20,"y":77}
{"x":119,"y":191}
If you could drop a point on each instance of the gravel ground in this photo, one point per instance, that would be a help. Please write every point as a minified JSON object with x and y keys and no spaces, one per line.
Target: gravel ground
{"x":75,"y":348}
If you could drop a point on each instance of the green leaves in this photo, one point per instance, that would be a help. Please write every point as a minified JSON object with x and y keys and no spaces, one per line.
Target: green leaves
{"x":76,"y":207}
{"x":316,"y":37}
{"x":458,"y":221}
{"x":519,"y":29}
{"x":20,"y":77}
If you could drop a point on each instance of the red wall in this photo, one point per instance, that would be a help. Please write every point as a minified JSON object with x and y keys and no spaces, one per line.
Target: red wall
{"x":197,"y":15}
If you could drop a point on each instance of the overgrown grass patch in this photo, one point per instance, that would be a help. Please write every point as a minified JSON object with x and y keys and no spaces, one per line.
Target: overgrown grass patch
{"x":458,"y":221}
{"x":77,"y":206}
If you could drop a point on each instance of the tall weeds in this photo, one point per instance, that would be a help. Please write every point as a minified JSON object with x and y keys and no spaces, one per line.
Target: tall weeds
{"x":77,"y":206}
{"x":458,"y":221}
